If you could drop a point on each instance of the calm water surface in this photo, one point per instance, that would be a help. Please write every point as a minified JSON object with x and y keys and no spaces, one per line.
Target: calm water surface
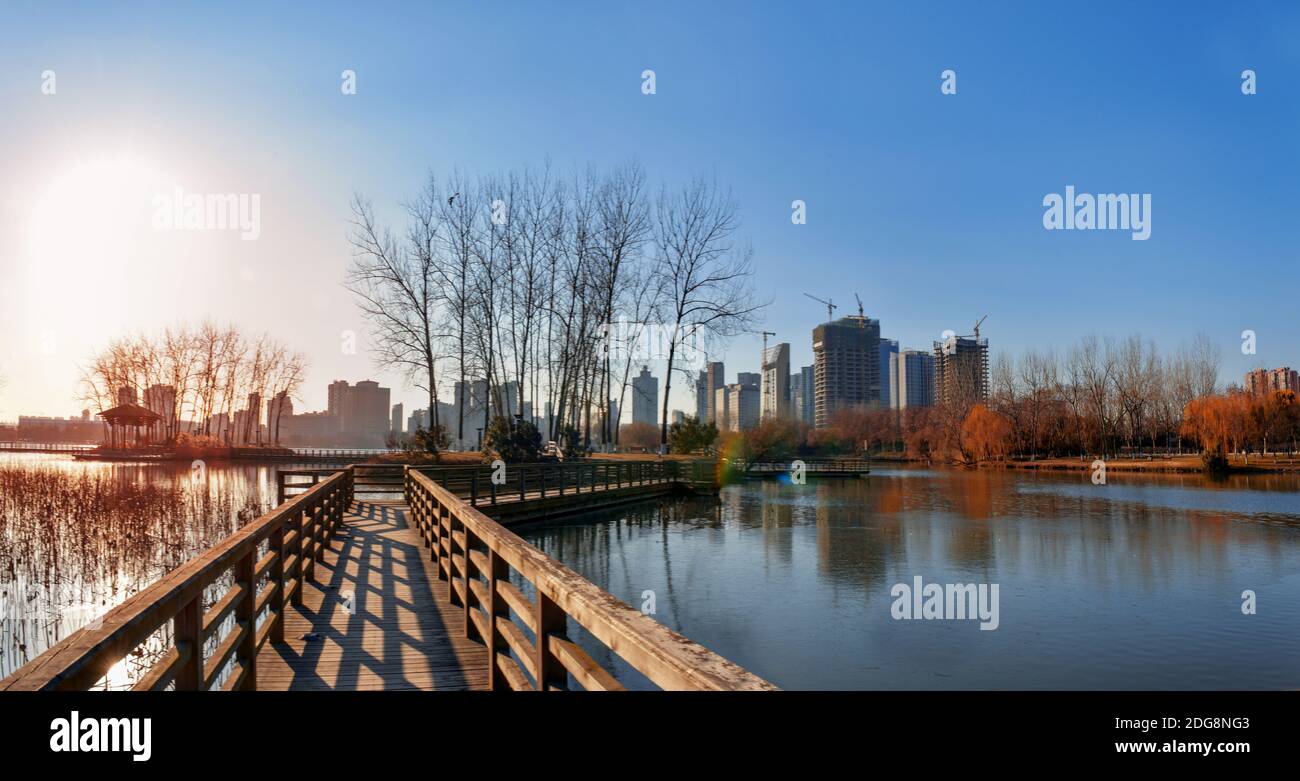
{"x":1133,"y":585}
{"x":79,"y":537}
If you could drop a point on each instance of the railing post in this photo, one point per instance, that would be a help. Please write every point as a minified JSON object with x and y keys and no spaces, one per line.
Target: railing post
{"x":300,"y":547}
{"x":550,"y":620}
{"x":523,"y":482}
{"x":279,"y":485}
{"x":498,"y":570}
{"x":542,"y":473}
{"x":473,"y":488}
{"x":471,"y":599}
{"x":187,"y":628}
{"x":277,"y":582}
{"x":245,"y":614}
{"x":443,"y":521}
{"x":318,"y":535}
{"x":453,"y":596}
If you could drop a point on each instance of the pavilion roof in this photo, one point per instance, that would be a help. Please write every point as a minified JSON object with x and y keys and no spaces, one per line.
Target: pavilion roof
{"x":130,"y":414}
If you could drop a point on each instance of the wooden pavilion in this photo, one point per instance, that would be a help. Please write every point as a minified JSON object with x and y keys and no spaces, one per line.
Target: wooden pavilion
{"x":129,"y":425}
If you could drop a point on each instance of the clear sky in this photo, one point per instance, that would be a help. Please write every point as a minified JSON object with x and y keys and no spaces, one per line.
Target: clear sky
{"x":929,"y":206}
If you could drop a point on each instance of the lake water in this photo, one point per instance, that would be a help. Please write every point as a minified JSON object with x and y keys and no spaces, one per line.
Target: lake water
{"x":1136,"y":584}
{"x":79,"y":537}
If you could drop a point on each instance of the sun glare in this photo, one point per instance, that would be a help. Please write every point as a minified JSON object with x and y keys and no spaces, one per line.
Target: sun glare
{"x":87,"y":221}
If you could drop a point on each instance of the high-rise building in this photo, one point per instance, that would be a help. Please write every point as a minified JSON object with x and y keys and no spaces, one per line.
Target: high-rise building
{"x":279,"y":408}
{"x":914,"y":370}
{"x":744,"y":406}
{"x":715,"y":381}
{"x":395,"y":421}
{"x":679,"y":416}
{"x":1263,"y":381}
{"x":796,"y":396}
{"x":507,"y":400}
{"x":846,"y":361}
{"x":161,"y":399}
{"x":738,"y":405}
{"x":361,"y":413}
{"x":645,"y":397}
{"x":775,"y":398}
{"x":888,"y":373}
{"x":961,"y":371}
{"x":802,"y":390}
{"x":721,"y":407}
{"x":417,"y":420}
{"x":702,"y":394}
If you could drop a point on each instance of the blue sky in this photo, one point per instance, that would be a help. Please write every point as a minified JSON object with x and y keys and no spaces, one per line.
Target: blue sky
{"x":928,"y":206}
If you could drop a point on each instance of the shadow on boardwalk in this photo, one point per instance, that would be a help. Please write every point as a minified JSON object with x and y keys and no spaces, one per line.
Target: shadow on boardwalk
{"x":374,"y":617}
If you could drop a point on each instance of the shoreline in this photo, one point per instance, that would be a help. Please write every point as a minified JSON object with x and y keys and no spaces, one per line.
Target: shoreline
{"x":1174,"y":465}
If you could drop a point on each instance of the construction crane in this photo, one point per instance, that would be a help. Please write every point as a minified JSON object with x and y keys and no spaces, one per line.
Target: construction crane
{"x":977,"y":327}
{"x":862,"y":318}
{"x":830,"y":308}
{"x":765,"y":335}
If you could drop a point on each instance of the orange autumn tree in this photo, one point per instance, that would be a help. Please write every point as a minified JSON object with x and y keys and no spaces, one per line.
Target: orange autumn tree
{"x":1274,"y":415}
{"x":1209,"y":421}
{"x":986,"y":434}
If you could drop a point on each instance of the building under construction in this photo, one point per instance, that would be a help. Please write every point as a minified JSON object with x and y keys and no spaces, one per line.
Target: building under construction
{"x":846,"y":366}
{"x":961,"y":371}
{"x":776,"y":382}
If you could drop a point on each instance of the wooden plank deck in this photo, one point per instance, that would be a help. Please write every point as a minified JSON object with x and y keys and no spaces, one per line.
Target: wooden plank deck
{"x":401,"y":633}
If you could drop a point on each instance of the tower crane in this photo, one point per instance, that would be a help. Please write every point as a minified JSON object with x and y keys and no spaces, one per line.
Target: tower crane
{"x":830,"y":308}
{"x":977,"y":327}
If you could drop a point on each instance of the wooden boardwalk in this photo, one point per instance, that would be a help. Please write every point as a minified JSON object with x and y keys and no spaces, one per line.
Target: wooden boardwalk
{"x":420,"y":591}
{"x":375,"y":617}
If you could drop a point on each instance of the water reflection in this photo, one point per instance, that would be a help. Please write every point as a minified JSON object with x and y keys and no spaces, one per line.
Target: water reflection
{"x":79,"y":537}
{"x":1136,"y":584}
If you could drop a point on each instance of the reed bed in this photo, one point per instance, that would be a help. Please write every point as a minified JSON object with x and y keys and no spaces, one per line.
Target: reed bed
{"x":75,"y":544}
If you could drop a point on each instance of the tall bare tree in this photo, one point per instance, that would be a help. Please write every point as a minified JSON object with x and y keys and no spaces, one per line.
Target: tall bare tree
{"x":707,"y":279}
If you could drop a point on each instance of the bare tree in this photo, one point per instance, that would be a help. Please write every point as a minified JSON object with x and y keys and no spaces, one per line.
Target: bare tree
{"x":396,"y":290}
{"x":706,"y":278}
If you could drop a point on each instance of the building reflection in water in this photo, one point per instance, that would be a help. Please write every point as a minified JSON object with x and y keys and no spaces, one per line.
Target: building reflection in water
{"x":1134,"y":584}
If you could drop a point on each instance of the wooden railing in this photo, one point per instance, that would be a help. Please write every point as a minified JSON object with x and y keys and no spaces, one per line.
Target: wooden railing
{"x":45,"y":447}
{"x":475,"y":483}
{"x":366,"y":479}
{"x":266,"y":562}
{"x":527,"y":639}
{"x":541,"y":481}
{"x":820,"y":466}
